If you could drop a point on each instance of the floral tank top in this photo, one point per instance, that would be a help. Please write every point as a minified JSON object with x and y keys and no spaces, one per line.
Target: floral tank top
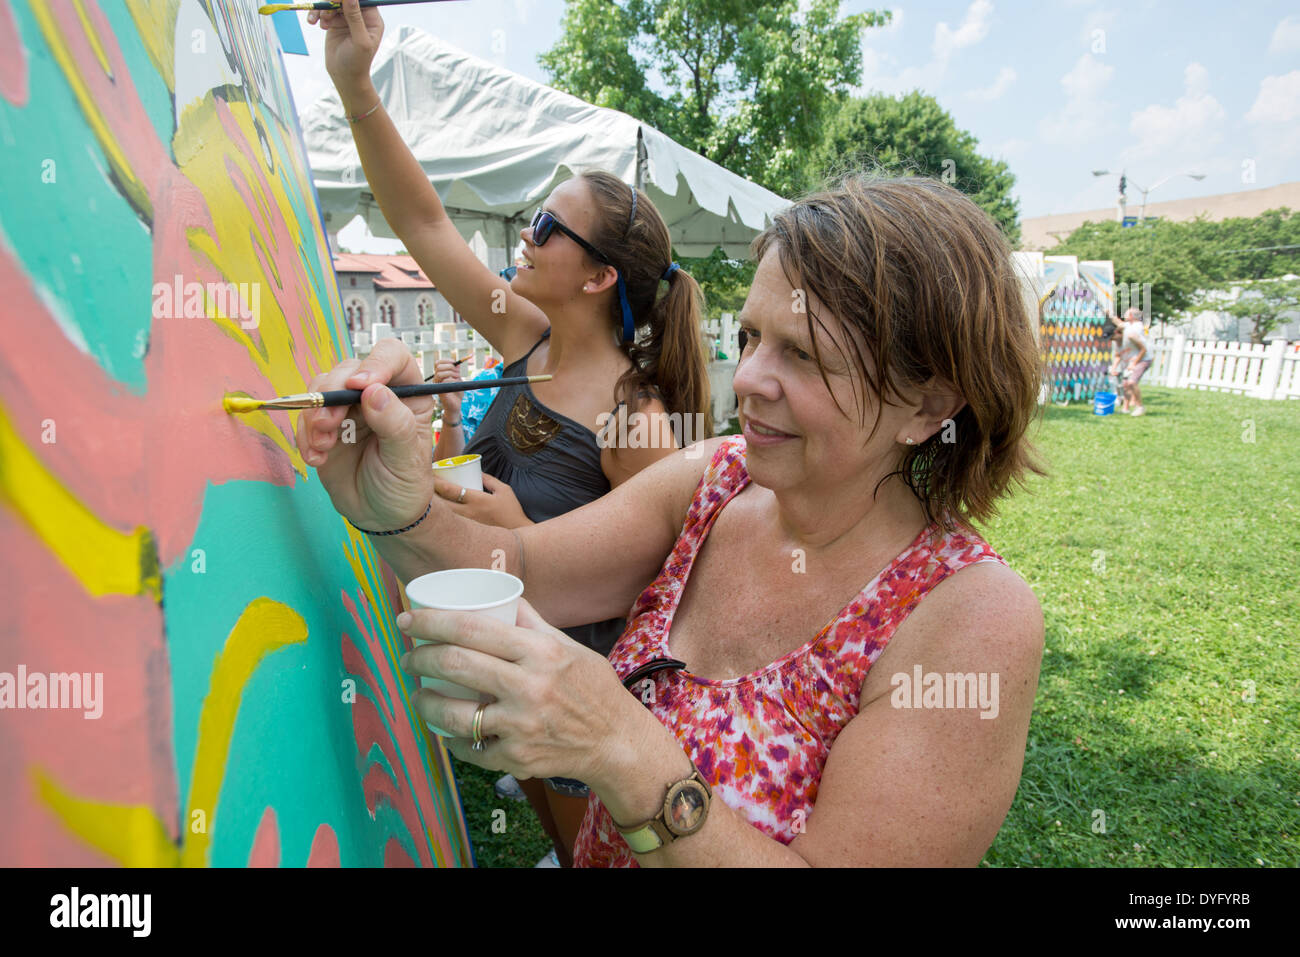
{"x":761,"y":741}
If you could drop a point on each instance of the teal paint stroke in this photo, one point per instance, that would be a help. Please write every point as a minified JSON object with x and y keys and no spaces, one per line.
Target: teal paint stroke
{"x":58,"y":189}
{"x":293,"y":746}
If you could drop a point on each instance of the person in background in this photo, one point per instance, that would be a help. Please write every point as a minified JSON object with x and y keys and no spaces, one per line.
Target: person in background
{"x":1110,"y":335}
{"x":1120,"y":353}
{"x":462,"y":411}
{"x":1134,"y":344}
{"x":597,"y":304}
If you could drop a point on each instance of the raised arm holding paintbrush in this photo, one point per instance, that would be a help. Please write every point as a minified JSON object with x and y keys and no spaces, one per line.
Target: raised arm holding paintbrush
{"x":597,"y":304}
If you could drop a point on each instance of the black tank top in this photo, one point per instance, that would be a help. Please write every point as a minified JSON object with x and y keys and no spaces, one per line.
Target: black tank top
{"x":550,"y":462}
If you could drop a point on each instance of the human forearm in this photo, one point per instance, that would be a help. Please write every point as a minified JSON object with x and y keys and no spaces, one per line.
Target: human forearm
{"x":632,"y":787}
{"x":446,"y":540}
{"x":451,"y":440}
{"x":393,"y":174}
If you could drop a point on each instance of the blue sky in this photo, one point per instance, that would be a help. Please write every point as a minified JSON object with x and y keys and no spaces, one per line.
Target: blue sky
{"x":1057,"y":89}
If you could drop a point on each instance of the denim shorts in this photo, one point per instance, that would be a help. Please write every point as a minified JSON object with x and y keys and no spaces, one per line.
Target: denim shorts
{"x":568,"y":787}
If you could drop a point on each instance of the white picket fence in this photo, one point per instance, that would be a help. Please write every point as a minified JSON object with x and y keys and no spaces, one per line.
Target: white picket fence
{"x":446,"y":340}
{"x":722,"y":335}
{"x":1268,"y":370}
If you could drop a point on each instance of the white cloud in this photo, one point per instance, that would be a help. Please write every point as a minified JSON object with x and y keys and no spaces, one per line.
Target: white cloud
{"x":1084,"y":114}
{"x":1006,"y":76}
{"x":1183,"y":132}
{"x":973,"y":29}
{"x":1286,"y":36}
{"x":1275,"y":117}
{"x":1011,"y":148}
{"x":881,"y":71}
{"x":1278,"y":100}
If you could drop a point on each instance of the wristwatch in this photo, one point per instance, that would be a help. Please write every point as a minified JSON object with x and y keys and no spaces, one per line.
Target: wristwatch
{"x":685,"y":809}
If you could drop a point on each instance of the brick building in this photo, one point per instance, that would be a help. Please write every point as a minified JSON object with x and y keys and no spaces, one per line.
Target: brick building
{"x":389,"y":289}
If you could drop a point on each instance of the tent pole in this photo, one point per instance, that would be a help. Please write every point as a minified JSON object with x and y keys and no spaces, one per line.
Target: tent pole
{"x":641,"y":160}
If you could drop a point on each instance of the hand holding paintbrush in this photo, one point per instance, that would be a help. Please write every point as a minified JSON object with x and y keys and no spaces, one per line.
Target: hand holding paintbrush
{"x":374,"y":457}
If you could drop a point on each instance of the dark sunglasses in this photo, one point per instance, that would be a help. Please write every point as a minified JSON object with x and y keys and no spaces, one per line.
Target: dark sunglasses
{"x":544,"y":224}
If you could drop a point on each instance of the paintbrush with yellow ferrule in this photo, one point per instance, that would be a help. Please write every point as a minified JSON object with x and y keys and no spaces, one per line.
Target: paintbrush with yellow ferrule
{"x":235,"y":403}
{"x":327,"y":5}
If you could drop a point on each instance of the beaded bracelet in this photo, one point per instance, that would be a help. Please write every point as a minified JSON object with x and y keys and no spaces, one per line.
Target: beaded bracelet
{"x":357,"y":119}
{"x":398,"y":531}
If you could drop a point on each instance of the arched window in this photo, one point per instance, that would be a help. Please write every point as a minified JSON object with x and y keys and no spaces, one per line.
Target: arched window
{"x":424,"y":311}
{"x":387,"y":306}
{"x":355,"y":310}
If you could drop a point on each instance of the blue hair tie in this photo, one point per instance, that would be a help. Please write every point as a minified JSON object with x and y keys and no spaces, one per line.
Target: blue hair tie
{"x":669,"y":271}
{"x":629,"y":328}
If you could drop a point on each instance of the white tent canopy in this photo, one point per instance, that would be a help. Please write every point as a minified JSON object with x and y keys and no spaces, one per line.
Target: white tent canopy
{"x":494,"y":144}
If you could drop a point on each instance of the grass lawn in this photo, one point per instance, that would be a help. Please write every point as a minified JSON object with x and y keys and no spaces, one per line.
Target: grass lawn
{"x":1166,"y":731}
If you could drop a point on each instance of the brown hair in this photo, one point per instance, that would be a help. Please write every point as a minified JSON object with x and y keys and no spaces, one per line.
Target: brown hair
{"x":924,"y":279}
{"x":668,"y":354}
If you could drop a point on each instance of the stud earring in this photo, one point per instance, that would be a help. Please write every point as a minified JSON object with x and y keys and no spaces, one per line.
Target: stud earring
{"x":909,"y":441}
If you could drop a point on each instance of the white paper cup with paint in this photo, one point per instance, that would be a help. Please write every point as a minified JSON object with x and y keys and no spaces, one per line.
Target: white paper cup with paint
{"x":464,"y":470}
{"x":480,"y":590}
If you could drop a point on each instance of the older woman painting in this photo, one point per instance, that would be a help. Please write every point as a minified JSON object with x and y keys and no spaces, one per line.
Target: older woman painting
{"x":789,"y":589}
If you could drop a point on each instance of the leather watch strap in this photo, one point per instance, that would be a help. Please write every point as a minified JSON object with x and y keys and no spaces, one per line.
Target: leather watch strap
{"x":684,"y":811}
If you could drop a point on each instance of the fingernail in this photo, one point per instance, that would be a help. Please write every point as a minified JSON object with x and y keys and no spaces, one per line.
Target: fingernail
{"x":361,"y":377}
{"x":381,"y":399}
{"x":405,"y":662}
{"x":404,"y":620}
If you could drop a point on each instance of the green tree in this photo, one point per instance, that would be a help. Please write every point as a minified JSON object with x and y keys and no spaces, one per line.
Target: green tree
{"x":1186,"y":263}
{"x":1262,"y":303}
{"x":725,"y":281}
{"x":1259,"y":247}
{"x":1163,"y":253}
{"x":913,"y":135}
{"x":745,"y":83}
{"x":1251,"y":254}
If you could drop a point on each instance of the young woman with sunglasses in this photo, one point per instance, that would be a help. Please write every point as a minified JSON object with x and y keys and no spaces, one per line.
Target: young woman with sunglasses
{"x":596,"y":277}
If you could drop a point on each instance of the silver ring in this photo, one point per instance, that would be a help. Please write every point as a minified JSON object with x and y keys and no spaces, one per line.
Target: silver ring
{"x":460,"y":499}
{"x":479,"y":744}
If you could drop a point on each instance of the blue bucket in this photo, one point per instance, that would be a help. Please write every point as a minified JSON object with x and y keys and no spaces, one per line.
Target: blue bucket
{"x":1103,"y":403}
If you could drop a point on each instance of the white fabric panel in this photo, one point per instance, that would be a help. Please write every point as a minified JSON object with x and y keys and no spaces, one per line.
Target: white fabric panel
{"x":494,"y":144}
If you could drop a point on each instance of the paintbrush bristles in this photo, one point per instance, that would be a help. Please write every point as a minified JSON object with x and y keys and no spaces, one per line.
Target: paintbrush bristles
{"x":238,"y":404}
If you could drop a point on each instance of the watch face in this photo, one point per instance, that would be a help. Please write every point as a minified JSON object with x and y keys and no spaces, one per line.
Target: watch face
{"x":686,"y":808}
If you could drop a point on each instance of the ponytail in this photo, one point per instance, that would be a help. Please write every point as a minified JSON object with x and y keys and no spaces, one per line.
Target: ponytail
{"x":667,"y":355}
{"x":669,"y":358}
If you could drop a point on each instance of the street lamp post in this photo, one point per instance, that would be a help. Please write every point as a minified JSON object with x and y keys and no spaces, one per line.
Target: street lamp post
{"x":1123,"y":181}
{"x":1121,"y":206}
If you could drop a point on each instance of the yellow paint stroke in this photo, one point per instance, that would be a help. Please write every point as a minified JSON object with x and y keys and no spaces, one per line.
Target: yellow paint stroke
{"x":238,"y":403}
{"x":133,"y":835}
{"x":92,"y":35}
{"x":155,"y":20}
{"x":105,"y":560}
{"x":262,"y":423}
{"x":206,"y":154}
{"x":264,"y":627}
{"x":136,"y":193}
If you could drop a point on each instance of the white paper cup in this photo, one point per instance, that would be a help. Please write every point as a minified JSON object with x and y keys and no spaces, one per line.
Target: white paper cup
{"x":466,"y":470}
{"x":481,"y":590}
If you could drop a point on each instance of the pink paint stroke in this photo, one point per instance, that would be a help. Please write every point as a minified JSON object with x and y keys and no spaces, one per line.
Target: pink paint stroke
{"x":13,"y":59}
{"x":266,"y":842}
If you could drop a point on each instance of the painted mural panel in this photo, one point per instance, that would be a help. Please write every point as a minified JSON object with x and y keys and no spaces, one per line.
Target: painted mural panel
{"x":198,"y":663}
